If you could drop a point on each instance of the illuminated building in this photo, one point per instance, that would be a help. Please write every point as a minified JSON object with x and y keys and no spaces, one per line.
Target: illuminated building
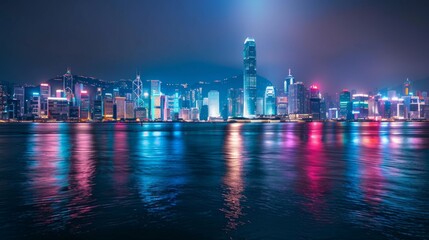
{"x":45,"y":92}
{"x":18,"y":94}
{"x":120,"y":107}
{"x":407,"y":87}
{"x":58,"y":108}
{"x":129,"y":109}
{"x":296,"y":98}
{"x":332,"y":113}
{"x":249,"y":77}
{"x":14,"y":109}
{"x":138,"y":92}
{"x":108,"y":106}
{"x":141,"y":114}
{"x":315,"y":99}
{"x":288,"y":81}
{"x":185,"y":114}
{"x":195,"y":114}
{"x":155,"y":100}
{"x":345,"y":105}
{"x":213,"y":103}
{"x":235,"y":102}
{"x":204,"y":113}
{"x":281,"y":105}
{"x":360,"y":106}
{"x":270,"y":101}
{"x":259,"y":106}
{"x":68,"y":85}
{"x":3,"y":100}
{"x":35,"y":105}
{"x":59,"y":93}
{"x":85,"y":106}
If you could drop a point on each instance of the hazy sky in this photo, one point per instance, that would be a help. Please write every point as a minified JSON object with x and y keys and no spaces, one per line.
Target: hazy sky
{"x":336,"y":44}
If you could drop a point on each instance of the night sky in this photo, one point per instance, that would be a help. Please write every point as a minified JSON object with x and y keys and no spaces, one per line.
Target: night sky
{"x":336,"y":44}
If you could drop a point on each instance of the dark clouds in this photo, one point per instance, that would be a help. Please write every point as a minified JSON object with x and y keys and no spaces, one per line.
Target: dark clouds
{"x":337,"y":44}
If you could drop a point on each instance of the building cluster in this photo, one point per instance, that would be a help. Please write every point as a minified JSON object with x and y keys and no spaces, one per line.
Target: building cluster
{"x":76,"y":98}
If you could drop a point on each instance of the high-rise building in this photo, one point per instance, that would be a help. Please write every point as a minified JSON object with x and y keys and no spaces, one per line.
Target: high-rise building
{"x":296,"y":98}
{"x":35,"y":105}
{"x":259,"y":110}
{"x":138,"y":92}
{"x":19,"y":95}
{"x":155,"y":99}
{"x":108,"y":106}
{"x":213,"y":103}
{"x":249,"y":77}
{"x":68,"y":85}
{"x":85,"y":106}
{"x":281,"y":105}
{"x":270,"y":101}
{"x":407,"y":87}
{"x":360,"y":106}
{"x":315,"y":99}
{"x":235,"y":102}
{"x":120,"y":107}
{"x":345,"y":105}
{"x":288,"y":81}
{"x":3,"y":100}
{"x":58,"y":108}
{"x":45,"y":92}
{"x":129,"y":109}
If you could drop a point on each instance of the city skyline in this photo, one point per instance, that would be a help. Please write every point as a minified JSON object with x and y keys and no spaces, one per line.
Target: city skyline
{"x":327,"y":44}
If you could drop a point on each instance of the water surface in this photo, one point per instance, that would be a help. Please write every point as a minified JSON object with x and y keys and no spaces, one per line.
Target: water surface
{"x":215,"y":181}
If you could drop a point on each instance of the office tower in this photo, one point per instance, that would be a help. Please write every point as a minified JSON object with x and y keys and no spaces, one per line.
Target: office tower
{"x":204,"y":113}
{"x":185,"y":114}
{"x":3,"y":100}
{"x":129,"y":109}
{"x":59,"y":93}
{"x":213,"y":103}
{"x":345,"y":105}
{"x":98,"y":109}
{"x":360,"y":106}
{"x":391,"y":94}
{"x":19,"y":95}
{"x":270,"y":101}
{"x":332,"y":113}
{"x":141,"y":114}
{"x":281,"y":105}
{"x":235,"y":102}
{"x":45,"y":92}
{"x":120,"y":107}
{"x":85,"y":106}
{"x":155,"y":99}
{"x":288,"y":81}
{"x":315,"y":99}
{"x":108,"y":106}
{"x":407,"y":87}
{"x":58,"y":108}
{"x":35,"y":105}
{"x":13,"y":109}
{"x":138,"y":92}
{"x":195,"y":114}
{"x":68,"y":85}
{"x":296,"y":99}
{"x":249,"y":77}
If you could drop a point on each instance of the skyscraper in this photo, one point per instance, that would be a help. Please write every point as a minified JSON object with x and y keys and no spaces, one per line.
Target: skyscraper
{"x":270,"y":101}
{"x":155,"y":99}
{"x":249,"y":77}
{"x":68,"y":85}
{"x":296,"y":98}
{"x":213,"y":102}
{"x":407,"y":87}
{"x":138,"y":92}
{"x":288,"y":81}
{"x":315,"y":99}
{"x":345,"y":105}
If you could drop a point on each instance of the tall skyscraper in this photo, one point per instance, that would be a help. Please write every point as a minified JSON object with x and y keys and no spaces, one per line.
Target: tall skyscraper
{"x":213,"y":102}
{"x":138,"y":92}
{"x":155,"y":99}
{"x":270,"y":101}
{"x":84,"y":106}
{"x":249,"y":77}
{"x":18,"y":94}
{"x":288,"y":81}
{"x":296,"y":98}
{"x":407,"y":87}
{"x":45,"y":92}
{"x":3,"y":100}
{"x":345,"y":105}
{"x":68,"y":85}
{"x":315,"y":99}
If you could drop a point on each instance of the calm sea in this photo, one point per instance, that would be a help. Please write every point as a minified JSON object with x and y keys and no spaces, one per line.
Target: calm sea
{"x":214,"y":181}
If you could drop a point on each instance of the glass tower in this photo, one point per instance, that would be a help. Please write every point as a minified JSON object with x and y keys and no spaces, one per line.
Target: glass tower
{"x":249,"y":77}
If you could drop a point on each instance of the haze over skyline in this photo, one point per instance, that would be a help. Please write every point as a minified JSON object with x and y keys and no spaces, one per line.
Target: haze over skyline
{"x":335,"y":44}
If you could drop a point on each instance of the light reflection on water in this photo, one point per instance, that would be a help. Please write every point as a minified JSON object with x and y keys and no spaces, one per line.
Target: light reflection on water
{"x":313,"y":180}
